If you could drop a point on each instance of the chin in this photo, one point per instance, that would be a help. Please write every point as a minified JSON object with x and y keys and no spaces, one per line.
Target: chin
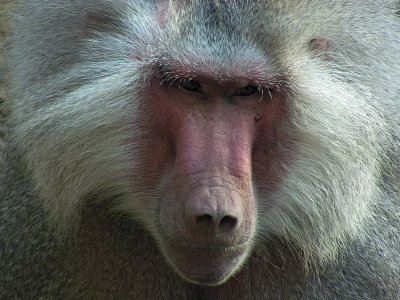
{"x":209,"y":266}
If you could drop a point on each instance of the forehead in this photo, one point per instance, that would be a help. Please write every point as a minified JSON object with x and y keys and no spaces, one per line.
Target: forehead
{"x":212,"y":15}
{"x":209,"y":33}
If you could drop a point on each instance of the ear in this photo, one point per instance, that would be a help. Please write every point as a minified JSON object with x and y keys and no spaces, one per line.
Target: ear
{"x":320,"y":47}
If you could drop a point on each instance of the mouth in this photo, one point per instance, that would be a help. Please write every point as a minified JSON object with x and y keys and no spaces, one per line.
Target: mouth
{"x":207,"y":265}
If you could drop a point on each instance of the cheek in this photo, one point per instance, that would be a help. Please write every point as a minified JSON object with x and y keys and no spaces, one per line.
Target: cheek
{"x":272,"y":148}
{"x":156,"y":149}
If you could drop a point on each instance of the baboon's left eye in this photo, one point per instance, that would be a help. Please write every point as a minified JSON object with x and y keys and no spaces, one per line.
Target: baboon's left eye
{"x":248,"y":90}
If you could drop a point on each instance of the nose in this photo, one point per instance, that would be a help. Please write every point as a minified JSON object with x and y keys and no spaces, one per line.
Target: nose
{"x":213,"y":213}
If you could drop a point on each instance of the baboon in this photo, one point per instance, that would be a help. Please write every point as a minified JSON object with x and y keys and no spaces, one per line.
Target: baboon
{"x":202,"y":149}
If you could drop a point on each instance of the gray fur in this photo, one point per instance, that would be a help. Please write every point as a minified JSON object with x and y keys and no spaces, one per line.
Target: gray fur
{"x":70,"y":227}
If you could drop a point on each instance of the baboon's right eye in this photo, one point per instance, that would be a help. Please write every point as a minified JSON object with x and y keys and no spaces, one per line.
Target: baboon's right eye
{"x":191,"y":85}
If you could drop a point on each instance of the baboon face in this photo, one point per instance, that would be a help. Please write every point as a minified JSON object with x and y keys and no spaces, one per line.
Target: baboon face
{"x":209,"y":122}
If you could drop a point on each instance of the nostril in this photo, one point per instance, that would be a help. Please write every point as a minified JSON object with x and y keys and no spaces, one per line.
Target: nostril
{"x":227,"y":223}
{"x":224,"y":225}
{"x":204,"y":219}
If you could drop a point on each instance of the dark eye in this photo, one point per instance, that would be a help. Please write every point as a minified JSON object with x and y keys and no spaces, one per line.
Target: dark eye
{"x":246,"y":91}
{"x":191,"y":85}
